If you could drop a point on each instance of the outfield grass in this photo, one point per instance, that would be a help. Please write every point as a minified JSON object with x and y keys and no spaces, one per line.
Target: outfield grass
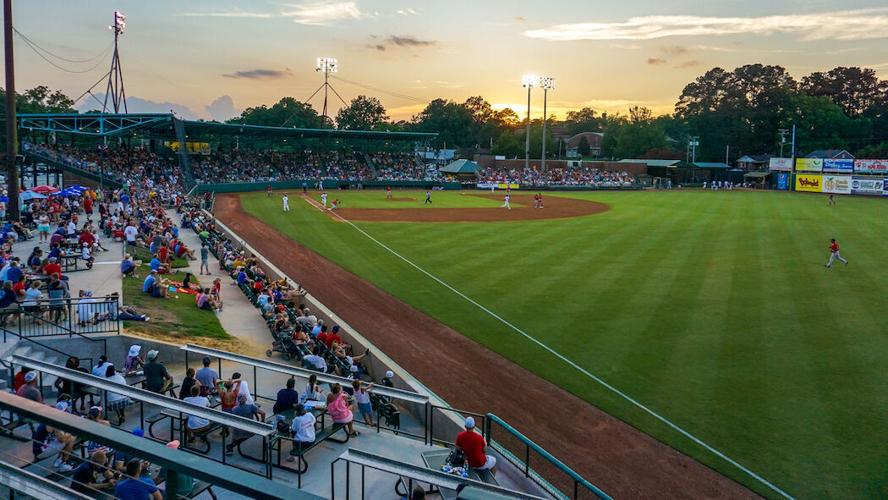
{"x":176,"y":316}
{"x":714,"y":309}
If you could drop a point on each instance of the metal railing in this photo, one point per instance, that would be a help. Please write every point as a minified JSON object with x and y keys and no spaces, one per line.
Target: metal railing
{"x":547,"y":471}
{"x":65,"y":355}
{"x":56,"y":316}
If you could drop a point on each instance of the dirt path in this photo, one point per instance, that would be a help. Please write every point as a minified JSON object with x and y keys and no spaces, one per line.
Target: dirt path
{"x":522,"y":209}
{"x":621,"y":460}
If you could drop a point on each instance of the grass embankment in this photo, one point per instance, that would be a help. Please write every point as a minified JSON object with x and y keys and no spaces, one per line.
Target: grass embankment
{"x":175,"y":318}
{"x":712,"y":308}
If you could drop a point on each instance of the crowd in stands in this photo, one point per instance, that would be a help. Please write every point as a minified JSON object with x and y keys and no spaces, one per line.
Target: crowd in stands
{"x":559,"y":176}
{"x":401,"y":167}
{"x":245,"y":165}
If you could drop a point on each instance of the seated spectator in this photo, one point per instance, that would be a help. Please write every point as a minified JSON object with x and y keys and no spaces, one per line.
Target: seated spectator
{"x":287,"y":398}
{"x":158,"y":266}
{"x":31,"y":302}
{"x":184,"y":483}
{"x":228,"y":392}
{"x":312,"y":390}
{"x":19,"y":379}
{"x":52,"y":267}
{"x":87,"y":308}
{"x":195,"y":424}
{"x":86,"y":476}
{"x":207,"y":378}
{"x":133,"y":487}
{"x":8,"y":303}
{"x":474,"y":447}
{"x":339,"y":409}
{"x":202,"y":300}
{"x":154,"y":286}
{"x":315,"y":361}
{"x":246,"y":410}
{"x":35,"y":260}
{"x":29,"y":389}
{"x":243,"y":386}
{"x":100,"y":366}
{"x":157,"y":378}
{"x":128,"y":266}
{"x":303,"y":429}
{"x":134,"y":361}
{"x":187,"y":383}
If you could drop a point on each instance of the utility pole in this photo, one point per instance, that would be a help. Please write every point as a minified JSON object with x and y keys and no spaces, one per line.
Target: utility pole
{"x":12,"y":174}
{"x":727,"y":152}
{"x":695,"y":141}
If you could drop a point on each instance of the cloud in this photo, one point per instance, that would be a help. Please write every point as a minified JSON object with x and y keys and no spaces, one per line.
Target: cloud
{"x":233,"y":13}
{"x":859,"y":24}
{"x":653,"y":61}
{"x":674,"y":50}
{"x":407,"y":12}
{"x":405,"y":41}
{"x":688,"y":64}
{"x":322,"y":13}
{"x":222,"y":108}
{"x":520,"y":19}
{"x":259,"y":74}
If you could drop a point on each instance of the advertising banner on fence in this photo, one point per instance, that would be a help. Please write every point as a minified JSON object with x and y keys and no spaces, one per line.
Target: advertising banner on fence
{"x":838,"y":184}
{"x":809,"y":164}
{"x":871,"y":166}
{"x":809,"y":183}
{"x":841,"y":166}
{"x":783,"y":164}
{"x":872,"y":186}
{"x":782,"y":181}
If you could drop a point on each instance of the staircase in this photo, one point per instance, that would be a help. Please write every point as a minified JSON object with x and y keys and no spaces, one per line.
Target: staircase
{"x":30,"y":352}
{"x":372,"y":166}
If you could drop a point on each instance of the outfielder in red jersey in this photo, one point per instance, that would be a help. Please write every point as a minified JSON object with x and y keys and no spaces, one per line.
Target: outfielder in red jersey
{"x":834,"y":254}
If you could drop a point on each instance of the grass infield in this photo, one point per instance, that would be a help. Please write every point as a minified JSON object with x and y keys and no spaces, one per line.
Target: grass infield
{"x":714,"y":309}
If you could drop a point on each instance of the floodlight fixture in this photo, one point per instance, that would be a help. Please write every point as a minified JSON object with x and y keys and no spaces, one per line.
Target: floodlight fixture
{"x":547,"y":83}
{"x":119,"y":22}
{"x":327,"y":65}
{"x":530,"y":80}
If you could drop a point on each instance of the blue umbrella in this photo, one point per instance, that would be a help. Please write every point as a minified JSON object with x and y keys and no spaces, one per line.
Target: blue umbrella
{"x":31,"y":195}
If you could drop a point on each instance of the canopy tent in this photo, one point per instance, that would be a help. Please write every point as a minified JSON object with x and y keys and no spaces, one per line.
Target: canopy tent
{"x":71,"y":192}
{"x":44,"y":189}
{"x":30,"y":195}
{"x":463,"y":167}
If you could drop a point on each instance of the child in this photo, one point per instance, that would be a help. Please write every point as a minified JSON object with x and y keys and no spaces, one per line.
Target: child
{"x":362,"y":398}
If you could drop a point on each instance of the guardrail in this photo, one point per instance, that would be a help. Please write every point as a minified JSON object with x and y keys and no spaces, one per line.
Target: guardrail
{"x":56,"y":316}
{"x":551,"y":474}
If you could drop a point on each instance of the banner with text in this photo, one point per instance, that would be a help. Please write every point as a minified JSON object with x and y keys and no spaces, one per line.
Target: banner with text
{"x":809,"y":183}
{"x":782,"y":164}
{"x":809,"y":164}
{"x":871,"y":166}
{"x":872,"y":186}
{"x":783,"y":181}
{"x":838,"y":184}
{"x":841,"y":166}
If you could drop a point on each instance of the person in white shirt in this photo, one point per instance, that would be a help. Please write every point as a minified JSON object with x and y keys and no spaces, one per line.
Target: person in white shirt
{"x":196,"y":424}
{"x":129,"y":233}
{"x":286,"y":201}
{"x":303,"y":428}
{"x":244,"y":387}
{"x":71,"y":229}
{"x":317,"y":362}
{"x":324,"y":198}
{"x":116,"y":402}
{"x":32,"y":296}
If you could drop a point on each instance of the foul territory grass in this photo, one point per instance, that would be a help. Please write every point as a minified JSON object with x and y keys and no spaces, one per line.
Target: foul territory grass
{"x":178,"y":317}
{"x":713,"y":309}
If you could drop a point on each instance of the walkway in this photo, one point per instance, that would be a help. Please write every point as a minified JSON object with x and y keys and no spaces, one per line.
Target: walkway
{"x":238,"y":317}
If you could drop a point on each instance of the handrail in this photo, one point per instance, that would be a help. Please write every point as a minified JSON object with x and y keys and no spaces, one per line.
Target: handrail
{"x":30,"y":484}
{"x":175,"y":462}
{"x":53,"y":349}
{"x":412,"y":397}
{"x":548,"y":456}
{"x":213,"y":415}
{"x":64,"y":331}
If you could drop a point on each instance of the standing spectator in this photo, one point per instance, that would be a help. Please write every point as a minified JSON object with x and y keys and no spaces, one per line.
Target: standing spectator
{"x":362,"y":399}
{"x":204,"y":259}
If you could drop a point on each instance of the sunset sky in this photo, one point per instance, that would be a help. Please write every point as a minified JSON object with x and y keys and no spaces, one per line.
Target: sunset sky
{"x":211,"y":59}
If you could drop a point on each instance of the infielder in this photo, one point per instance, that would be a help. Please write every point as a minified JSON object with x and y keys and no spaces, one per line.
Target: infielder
{"x":286,"y":200}
{"x":506,"y":202}
{"x":428,"y":200}
{"x":834,"y":254}
{"x":324,"y":199}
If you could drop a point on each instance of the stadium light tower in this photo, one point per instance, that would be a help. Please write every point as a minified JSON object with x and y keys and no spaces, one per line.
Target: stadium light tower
{"x":528,"y":81}
{"x":115,"y":89}
{"x":547,"y":83}
{"x":326,"y":65}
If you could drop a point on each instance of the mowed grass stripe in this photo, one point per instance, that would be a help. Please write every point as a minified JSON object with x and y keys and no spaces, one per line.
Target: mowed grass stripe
{"x":744,"y":338}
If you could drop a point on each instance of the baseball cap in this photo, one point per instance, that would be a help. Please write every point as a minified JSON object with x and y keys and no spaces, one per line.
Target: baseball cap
{"x":62,"y":405}
{"x":470,"y":422}
{"x":389,"y":374}
{"x":354,"y":368}
{"x":30,"y":376}
{"x":95,"y":411}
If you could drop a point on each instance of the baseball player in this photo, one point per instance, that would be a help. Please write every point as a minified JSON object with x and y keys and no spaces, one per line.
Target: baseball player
{"x":268,"y":191}
{"x":324,"y":199}
{"x":831,"y":201}
{"x":428,"y":200}
{"x":506,"y":202}
{"x":286,"y":200}
{"x":834,"y":254}
{"x":388,"y":192}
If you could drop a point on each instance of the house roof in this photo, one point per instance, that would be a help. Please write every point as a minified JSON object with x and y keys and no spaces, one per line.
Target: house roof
{"x":593,"y":138}
{"x":831,"y":154}
{"x":653,"y":163}
{"x":710,"y":164}
{"x":754,"y":159}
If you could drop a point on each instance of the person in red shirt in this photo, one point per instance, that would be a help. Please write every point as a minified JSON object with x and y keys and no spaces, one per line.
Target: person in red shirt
{"x":164,"y":253}
{"x":87,"y":237}
{"x":324,"y":336}
{"x":88,"y":205}
{"x":332,"y":337}
{"x":474,"y":446}
{"x":834,"y":254}
{"x":52,"y":267}
{"x":19,"y":379}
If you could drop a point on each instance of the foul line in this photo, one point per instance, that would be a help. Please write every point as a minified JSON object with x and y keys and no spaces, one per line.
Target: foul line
{"x":563,"y":358}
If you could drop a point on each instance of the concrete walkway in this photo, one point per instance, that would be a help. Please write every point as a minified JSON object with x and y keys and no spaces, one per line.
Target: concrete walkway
{"x":238,"y":316}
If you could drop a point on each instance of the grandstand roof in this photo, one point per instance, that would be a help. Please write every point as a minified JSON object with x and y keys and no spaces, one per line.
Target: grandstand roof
{"x":710,"y":164}
{"x":162,"y":124}
{"x":653,"y":163}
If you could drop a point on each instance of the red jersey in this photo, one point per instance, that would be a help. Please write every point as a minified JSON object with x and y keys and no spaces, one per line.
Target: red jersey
{"x":834,"y":247}
{"x":472,"y":444}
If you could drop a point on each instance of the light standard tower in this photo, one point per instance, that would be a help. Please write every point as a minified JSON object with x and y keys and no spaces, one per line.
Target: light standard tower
{"x":327,"y":65}
{"x":528,"y":81}
{"x":547,"y":83}
{"x":115,"y":88}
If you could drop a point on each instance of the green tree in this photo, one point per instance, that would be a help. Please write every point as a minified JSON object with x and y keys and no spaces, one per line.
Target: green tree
{"x":362,"y":113}
{"x":582,"y":120}
{"x":509,"y":145}
{"x":453,"y":122}
{"x":288,"y":112}
{"x":854,"y":89}
{"x":583,"y":147}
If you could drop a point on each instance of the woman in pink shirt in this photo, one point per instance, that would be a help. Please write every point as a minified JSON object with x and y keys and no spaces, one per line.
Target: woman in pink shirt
{"x":339,"y":411}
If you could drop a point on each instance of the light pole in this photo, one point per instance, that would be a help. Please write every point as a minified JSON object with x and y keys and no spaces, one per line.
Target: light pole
{"x":115,"y":89}
{"x":547,"y":83}
{"x":528,"y":81}
{"x":695,"y":141}
{"x":782,"y":132}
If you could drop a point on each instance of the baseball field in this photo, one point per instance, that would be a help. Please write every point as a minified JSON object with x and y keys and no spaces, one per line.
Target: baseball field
{"x":712,"y":309}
